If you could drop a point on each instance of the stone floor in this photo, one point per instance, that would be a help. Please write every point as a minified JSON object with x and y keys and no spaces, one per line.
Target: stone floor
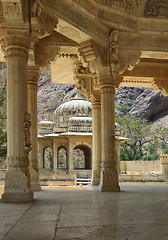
{"x":139,"y":212}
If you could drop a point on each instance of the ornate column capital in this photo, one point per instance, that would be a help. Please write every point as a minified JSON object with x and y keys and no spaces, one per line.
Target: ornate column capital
{"x":15,"y":40}
{"x":107,"y":80}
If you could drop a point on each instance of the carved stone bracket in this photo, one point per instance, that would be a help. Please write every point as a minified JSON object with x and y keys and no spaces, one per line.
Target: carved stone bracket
{"x":83,"y":84}
{"x":121,"y":59}
{"x":160,"y":85}
{"x":94,"y":54}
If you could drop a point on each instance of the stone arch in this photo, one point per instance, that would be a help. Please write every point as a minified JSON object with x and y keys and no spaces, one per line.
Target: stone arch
{"x":62,"y":158}
{"x":48,"y":157}
{"x":84,"y":160}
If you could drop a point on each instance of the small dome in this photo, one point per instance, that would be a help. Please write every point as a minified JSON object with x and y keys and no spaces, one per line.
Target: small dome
{"x":45,"y":122}
{"x":45,"y":127}
{"x":76,"y":107}
{"x":80,"y":124}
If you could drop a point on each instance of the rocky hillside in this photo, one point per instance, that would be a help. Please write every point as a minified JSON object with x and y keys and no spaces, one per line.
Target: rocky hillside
{"x":139,"y":102}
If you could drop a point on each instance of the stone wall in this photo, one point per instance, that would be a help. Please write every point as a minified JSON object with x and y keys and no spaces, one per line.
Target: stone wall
{"x":133,"y":167}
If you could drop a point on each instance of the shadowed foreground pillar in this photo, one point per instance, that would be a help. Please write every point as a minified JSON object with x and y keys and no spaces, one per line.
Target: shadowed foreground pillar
{"x":17,"y":182}
{"x":33,"y":76}
{"x":96,"y":138}
{"x":109,"y":176}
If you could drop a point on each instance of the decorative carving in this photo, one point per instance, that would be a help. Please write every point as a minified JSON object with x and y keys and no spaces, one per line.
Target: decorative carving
{"x":156,"y":8}
{"x":129,"y":7}
{"x":82,"y":83}
{"x":121,"y":59}
{"x":16,"y":179}
{"x":119,"y":3}
{"x":15,"y":41}
{"x":94,"y":54}
{"x":26,"y":127}
{"x":114,"y":47}
{"x":13,"y":52}
{"x":12,"y":11}
{"x":41,"y":24}
{"x":138,"y":2}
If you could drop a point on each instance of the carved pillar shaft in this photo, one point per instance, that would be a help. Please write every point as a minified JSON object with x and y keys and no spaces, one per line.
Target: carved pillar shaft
{"x":96,"y":139}
{"x":17,"y":183}
{"x":109,"y":175}
{"x":41,"y":147}
{"x":70,"y":156}
{"x":33,"y":76}
{"x":55,"y":154}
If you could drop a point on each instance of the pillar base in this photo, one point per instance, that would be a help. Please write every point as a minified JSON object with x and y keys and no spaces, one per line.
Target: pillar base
{"x":17,"y":197}
{"x":34,"y":179}
{"x":96,"y":182}
{"x":109,"y":180}
{"x":35,"y":187}
{"x":110,"y":188}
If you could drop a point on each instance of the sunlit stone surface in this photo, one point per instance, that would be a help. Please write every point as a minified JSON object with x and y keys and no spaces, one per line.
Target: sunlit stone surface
{"x":139,"y":211}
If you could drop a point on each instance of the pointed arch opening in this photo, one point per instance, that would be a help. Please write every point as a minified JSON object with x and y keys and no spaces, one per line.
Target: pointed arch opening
{"x":62,"y":158}
{"x":48,"y":158}
{"x":82,"y":157}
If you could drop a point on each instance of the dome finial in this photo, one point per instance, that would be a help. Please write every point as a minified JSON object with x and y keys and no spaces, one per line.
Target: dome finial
{"x":79,"y":96}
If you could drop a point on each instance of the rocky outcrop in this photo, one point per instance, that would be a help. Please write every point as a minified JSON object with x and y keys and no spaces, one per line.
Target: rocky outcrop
{"x":50,"y":95}
{"x":150,"y":105}
{"x":138,"y":102}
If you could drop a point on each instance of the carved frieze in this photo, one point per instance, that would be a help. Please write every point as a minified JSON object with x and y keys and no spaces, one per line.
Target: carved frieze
{"x":127,"y":5}
{"x":156,"y":8}
{"x":12,"y":11}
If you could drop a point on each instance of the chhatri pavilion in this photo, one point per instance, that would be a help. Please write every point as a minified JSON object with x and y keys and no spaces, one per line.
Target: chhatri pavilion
{"x":70,"y":131}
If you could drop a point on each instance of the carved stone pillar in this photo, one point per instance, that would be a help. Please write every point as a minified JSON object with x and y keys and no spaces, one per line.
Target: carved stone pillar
{"x":96,"y":139}
{"x":33,"y":76}
{"x":41,"y":154}
{"x":109,"y":176}
{"x":55,"y":154}
{"x":17,"y":182}
{"x":70,"y":156}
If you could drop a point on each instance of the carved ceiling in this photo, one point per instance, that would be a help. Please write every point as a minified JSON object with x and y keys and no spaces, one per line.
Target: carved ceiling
{"x":69,"y":27}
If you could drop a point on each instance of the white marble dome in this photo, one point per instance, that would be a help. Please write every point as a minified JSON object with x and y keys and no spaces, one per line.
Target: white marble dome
{"x":45,"y":127}
{"x":73,"y":115}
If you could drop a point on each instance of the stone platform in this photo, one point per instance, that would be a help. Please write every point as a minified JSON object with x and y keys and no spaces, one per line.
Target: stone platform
{"x":139,"y":211}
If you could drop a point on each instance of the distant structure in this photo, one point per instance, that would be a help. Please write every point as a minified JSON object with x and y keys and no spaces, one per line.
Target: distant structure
{"x":65,"y":145}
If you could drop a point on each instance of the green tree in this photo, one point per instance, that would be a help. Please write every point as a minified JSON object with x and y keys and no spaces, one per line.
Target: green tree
{"x":142,"y":141}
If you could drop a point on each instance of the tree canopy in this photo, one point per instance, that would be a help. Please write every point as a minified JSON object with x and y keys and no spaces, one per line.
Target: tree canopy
{"x":143,"y":140}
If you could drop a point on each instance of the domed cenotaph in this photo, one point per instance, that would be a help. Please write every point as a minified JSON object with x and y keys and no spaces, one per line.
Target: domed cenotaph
{"x":65,"y":144}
